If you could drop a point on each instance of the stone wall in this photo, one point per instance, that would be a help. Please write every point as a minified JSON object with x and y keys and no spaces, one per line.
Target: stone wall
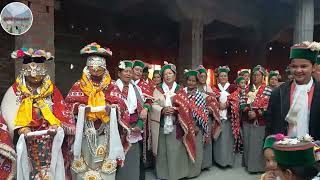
{"x":6,"y":64}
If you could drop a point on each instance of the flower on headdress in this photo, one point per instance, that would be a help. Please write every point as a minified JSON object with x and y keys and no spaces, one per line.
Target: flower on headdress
{"x":186,"y":70}
{"x":225,"y":69}
{"x":20,"y":53}
{"x":37,"y":52}
{"x":30,"y":51}
{"x":313,"y":46}
{"x":24,"y":49}
{"x":165,"y":62}
{"x":94,"y":48}
{"x":306,"y":138}
{"x":122,"y":65}
{"x":109,"y":51}
{"x":289,"y":141}
{"x":306,"y":43}
{"x":48,"y":54}
{"x":279,"y":137}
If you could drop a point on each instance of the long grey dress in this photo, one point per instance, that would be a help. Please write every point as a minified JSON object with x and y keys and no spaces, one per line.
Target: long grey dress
{"x":207,"y":149}
{"x":172,"y":162}
{"x":131,"y":168}
{"x":253,"y":142}
{"x":223,"y":146}
{"x":195,"y":167}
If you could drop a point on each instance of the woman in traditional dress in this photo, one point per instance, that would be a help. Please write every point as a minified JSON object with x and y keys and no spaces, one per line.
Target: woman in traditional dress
{"x":241,"y":84}
{"x":100,"y":144}
{"x":203,"y":86}
{"x":253,"y":103}
{"x":224,"y":146}
{"x":200,"y":115}
{"x":273,"y":79}
{"x":246,"y":75}
{"x":133,"y":98}
{"x":213,"y":107}
{"x":172,"y":128}
{"x":38,"y":120}
{"x":156,"y":78}
{"x":147,"y":87}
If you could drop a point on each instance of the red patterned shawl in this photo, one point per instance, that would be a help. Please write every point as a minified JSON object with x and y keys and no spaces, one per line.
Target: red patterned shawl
{"x":146,"y":88}
{"x":260,"y":102}
{"x":233,"y":100}
{"x":181,"y":101}
{"x":113,"y":95}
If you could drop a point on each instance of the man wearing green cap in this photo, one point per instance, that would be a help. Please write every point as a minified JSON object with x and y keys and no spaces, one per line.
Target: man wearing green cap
{"x":294,"y":106}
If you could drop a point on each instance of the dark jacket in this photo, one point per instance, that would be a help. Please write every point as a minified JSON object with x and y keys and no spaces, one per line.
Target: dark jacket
{"x":279,"y":105}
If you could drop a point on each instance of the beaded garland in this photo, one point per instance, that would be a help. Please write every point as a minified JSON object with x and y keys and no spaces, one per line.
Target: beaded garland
{"x":39,"y":151}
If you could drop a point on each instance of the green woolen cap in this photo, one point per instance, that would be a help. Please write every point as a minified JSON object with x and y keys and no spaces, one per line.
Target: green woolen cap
{"x":139,"y":63}
{"x":239,"y":79}
{"x":259,"y":68}
{"x":191,"y":73}
{"x":226,"y":70}
{"x":301,"y":154}
{"x":241,"y":73}
{"x":202,"y":70}
{"x":273,"y":73}
{"x":127,"y":63}
{"x":269,"y":141}
{"x":303,"y":53}
{"x":245,"y":72}
{"x":156,"y":72}
{"x":168,"y":66}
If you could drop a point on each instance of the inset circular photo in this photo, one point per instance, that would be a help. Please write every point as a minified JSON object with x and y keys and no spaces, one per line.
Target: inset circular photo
{"x":16,"y":18}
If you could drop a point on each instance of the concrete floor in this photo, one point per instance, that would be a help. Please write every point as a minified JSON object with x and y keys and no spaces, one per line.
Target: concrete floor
{"x":216,"y":173}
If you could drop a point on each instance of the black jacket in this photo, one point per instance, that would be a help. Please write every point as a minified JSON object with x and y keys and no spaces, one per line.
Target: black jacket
{"x":279,"y":105}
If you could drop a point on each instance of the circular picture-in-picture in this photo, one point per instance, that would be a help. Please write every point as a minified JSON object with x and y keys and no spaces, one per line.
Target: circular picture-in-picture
{"x":16,"y":18}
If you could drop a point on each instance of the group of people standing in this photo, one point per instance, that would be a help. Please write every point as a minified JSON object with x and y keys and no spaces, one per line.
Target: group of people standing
{"x":107,"y":129}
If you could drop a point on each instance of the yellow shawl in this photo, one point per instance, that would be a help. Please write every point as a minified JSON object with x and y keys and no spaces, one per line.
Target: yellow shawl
{"x":96,"y":96}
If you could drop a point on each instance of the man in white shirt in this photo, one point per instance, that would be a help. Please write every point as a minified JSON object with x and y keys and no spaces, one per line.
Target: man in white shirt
{"x":294,"y":106}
